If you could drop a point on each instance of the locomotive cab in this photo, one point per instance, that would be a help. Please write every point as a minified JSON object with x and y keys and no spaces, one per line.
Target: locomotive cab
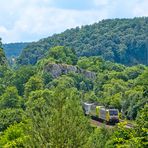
{"x":113,"y":115}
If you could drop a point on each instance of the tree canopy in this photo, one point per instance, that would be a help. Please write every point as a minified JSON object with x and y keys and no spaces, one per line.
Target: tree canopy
{"x":118,"y":40}
{"x":41,"y":104}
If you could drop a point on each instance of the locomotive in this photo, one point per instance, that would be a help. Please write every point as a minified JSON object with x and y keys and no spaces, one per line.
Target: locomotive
{"x":100,"y":112}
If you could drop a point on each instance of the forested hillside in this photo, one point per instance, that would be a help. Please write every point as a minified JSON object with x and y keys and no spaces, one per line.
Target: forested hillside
{"x":123,"y":41}
{"x":13,"y":49}
{"x":40,"y":105}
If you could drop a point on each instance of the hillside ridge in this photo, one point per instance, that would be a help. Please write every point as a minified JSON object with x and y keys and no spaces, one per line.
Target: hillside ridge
{"x":122,"y":41}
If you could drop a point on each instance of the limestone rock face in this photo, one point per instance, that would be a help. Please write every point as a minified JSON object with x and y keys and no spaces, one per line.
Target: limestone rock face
{"x":57,"y":70}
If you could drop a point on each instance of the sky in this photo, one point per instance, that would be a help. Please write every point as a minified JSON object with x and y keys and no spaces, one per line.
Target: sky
{"x":31,"y":20}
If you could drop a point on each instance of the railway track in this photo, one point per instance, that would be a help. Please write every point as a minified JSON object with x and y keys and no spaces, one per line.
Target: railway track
{"x":128,"y":125}
{"x":98,"y":123}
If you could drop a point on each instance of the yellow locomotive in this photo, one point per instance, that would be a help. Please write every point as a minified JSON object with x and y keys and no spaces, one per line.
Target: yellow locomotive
{"x":100,"y":112}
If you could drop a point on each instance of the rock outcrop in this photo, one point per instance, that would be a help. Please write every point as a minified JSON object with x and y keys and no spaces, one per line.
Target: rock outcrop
{"x":57,"y":70}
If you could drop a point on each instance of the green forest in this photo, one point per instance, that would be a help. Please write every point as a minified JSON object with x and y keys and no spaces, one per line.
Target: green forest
{"x":41,"y":94}
{"x":123,"y":41}
{"x":13,"y":49}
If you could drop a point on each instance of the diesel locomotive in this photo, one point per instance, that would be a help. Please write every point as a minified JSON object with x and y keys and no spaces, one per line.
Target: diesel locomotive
{"x":102,"y":113}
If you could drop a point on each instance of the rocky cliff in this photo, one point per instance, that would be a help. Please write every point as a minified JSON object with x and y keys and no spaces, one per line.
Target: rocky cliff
{"x":59,"y":69}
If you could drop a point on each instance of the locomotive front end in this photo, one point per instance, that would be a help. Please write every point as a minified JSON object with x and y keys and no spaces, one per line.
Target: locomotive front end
{"x":113,"y":115}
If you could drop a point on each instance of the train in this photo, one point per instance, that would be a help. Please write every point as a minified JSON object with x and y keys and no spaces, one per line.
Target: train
{"x":110,"y":115}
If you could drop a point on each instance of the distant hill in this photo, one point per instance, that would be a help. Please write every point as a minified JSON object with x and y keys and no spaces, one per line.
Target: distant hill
{"x":119,"y":40}
{"x":14,"y":49}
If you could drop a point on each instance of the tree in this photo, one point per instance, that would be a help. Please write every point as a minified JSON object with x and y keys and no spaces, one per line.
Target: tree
{"x":6,"y":77}
{"x":10,"y":99}
{"x":3,"y":60}
{"x":9,"y":117}
{"x":90,"y":96}
{"x":2,"y":57}
{"x":99,"y":137}
{"x":123,"y":137}
{"x":112,"y":91}
{"x":142,"y":80}
{"x":47,"y":78}
{"x":58,"y":120}
{"x":21,"y":76}
{"x":65,"y":81}
{"x":133,"y":101}
{"x":13,"y":136}
{"x":142,"y":125}
{"x":119,"y":40}
{"x":90,"y":63}
{"x":62,"y":55}
{"x":34,"y":83}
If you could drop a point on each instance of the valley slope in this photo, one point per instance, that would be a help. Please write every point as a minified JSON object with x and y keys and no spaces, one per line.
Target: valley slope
{"x":123,"y":41}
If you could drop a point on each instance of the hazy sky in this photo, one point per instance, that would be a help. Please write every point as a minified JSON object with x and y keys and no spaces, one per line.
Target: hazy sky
{"x":31,"y":20}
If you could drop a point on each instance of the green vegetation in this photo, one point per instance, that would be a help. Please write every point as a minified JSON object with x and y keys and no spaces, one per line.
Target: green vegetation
{"x":2,"y":55}
{"x":40,"y":105}
{"x":118,"y":40}
{"x":13,"y":50}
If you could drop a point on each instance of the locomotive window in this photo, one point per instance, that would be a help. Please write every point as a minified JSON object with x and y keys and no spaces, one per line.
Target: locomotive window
{"x":113,"y":112}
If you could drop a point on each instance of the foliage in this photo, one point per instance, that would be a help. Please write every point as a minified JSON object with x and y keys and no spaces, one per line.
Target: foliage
{"x":99,"y":138}
{"x":21,"y":76}
{"x":3,"y":60}
{"x":10,"y":99}
{"x":34,"y":83}
{"x":62,"y":55}
{"x":142,"y":81}
{"x":2,"y":57}
{"x":9,"y":117}
{"x":123,"y":137}
{"x":91,"y":63}
{"x":14,"y":136}
{"x":119,"y":40}
{"x":40,"y":110}
{"x":142,"y":125}
{"x":13,"y":49}
{"x":65,"y":123}
{"x":5,"y":78}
